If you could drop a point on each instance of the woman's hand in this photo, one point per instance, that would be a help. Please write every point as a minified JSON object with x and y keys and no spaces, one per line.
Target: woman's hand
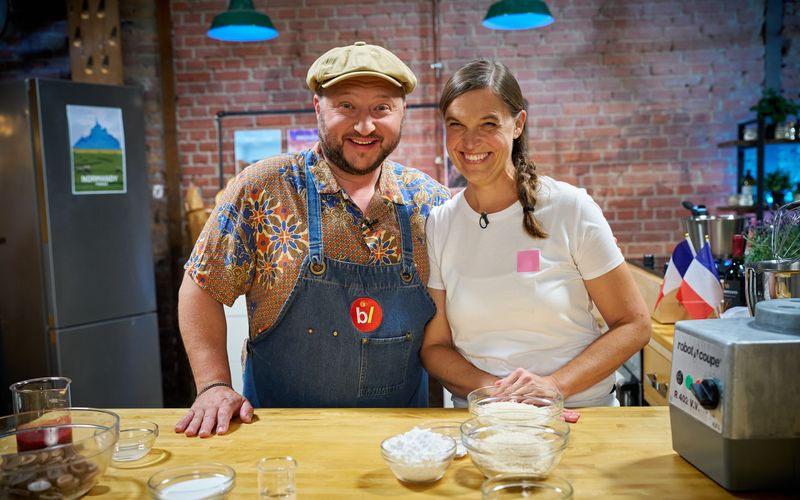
{"x":521,"y":381}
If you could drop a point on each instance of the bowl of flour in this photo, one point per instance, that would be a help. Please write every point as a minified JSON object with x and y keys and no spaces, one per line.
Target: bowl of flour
{"x":533,"y":405}
{"x":500,"y":447}
{"x":419,"y":455}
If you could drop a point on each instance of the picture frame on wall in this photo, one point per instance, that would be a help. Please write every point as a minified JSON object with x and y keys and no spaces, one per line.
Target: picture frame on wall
{"x":251,"y":146}
{"x":300,"y":139}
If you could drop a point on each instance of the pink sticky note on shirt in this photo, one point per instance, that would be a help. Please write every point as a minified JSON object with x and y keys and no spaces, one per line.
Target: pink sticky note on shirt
{"x":528,"y":261}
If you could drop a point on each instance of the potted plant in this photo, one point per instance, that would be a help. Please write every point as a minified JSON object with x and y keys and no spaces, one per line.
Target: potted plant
{"x":777,"y":183}
{"x":777,"y":108}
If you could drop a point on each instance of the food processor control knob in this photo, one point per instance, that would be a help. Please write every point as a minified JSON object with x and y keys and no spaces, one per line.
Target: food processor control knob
{"x":707,"y":393}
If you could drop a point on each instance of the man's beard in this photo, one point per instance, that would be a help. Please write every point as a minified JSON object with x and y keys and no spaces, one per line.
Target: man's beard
{"x":334,"y":153}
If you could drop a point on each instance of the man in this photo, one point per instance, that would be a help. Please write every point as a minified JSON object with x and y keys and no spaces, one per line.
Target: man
{"x":328,"y":246}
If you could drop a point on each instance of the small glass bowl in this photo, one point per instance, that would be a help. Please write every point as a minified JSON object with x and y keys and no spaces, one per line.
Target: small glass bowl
{"x":426,"y":471}
{"x":451,"y":428}
{"x":510,"y":486}
{"x":530,"y":405}
{"x":197,"y":481}
{"x":136,"y":438}
{"x":497,"y":447}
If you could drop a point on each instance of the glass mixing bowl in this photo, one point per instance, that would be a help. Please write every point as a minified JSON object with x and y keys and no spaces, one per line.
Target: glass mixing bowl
{"x":55,"y":453}
{"x":497,"y":447}
{"x":529,"y":405}
{"x":511,"y":486}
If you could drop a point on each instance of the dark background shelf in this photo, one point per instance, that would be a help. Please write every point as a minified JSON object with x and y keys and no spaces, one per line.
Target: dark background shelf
{"x":760,"y":145}
{"x":739,"y":209}
{"x":752,"y":144}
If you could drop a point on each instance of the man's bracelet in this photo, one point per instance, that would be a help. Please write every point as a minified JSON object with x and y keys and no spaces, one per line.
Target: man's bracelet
{"x":211,"y":386}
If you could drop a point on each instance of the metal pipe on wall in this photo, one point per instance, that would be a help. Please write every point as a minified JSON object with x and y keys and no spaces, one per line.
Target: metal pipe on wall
{"x":223,"y":114}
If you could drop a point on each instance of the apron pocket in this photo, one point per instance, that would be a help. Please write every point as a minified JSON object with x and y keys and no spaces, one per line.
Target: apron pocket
{"x":384,"y":364}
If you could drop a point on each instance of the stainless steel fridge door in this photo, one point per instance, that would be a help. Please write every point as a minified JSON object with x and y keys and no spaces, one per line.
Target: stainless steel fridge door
{"x":23,"y":315}
{"x":99,"y":253}
{"x":112,"y":364}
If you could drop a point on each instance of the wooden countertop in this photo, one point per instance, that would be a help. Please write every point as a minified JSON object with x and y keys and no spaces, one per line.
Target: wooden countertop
{"x":661,"y":339}
{"x":612,"y":452}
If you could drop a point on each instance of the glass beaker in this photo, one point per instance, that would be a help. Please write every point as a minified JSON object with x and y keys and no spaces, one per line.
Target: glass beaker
{"x":276,"y":477}
{"x":39,"y":394}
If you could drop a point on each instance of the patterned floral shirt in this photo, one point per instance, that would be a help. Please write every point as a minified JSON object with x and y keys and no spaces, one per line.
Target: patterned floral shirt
{"x":257,"y":237}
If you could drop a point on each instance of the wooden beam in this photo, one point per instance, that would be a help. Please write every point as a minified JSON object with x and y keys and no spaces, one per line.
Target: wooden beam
{"x":168,"y":110}
{"x":95,"y":50}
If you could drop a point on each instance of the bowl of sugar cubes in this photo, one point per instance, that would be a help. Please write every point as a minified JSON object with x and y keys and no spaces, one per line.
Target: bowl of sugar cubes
{"x":419,"y":455}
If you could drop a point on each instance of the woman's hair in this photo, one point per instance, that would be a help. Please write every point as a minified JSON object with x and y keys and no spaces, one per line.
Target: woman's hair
{"x":495,"y":76}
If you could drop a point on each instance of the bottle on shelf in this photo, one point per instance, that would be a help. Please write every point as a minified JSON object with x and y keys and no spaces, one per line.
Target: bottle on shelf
{"x":748,"y":189}
{"x":732,"y":279}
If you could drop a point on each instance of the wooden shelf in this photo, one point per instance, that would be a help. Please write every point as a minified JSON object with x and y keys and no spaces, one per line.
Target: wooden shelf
{"x":752,"y":144}
{"x":739,"y":209}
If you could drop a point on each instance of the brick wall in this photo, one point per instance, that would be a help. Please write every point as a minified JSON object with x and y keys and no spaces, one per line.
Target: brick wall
{"x":627,"y":99}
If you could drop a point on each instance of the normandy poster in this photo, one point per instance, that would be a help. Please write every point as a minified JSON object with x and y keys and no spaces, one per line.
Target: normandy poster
{"x":97,"y":149}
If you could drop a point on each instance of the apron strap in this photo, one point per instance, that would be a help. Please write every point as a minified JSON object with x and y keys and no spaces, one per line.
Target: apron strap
{"x":315,"y":252}
{"x":404,"y":219}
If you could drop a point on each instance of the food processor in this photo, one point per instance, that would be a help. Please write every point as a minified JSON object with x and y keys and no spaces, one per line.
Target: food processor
{"x":734,"y":397}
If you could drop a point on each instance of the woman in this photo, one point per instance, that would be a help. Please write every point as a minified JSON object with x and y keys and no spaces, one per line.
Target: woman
{"x":518,"y":259}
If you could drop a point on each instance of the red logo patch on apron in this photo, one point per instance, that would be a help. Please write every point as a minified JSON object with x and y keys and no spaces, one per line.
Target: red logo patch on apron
{"x":366,"y":314}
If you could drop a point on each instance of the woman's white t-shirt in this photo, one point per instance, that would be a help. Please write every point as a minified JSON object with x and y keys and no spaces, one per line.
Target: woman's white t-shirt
{"x":503,"y":312}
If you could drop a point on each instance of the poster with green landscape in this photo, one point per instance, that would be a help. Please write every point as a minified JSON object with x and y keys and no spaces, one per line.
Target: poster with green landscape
{"x":97,"y":142}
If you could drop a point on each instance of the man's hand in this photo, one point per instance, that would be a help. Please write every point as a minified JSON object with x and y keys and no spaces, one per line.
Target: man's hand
{"x":213,"y":410}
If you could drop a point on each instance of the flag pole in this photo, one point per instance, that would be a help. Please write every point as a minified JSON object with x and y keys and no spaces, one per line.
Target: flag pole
{"x":718,"y":307}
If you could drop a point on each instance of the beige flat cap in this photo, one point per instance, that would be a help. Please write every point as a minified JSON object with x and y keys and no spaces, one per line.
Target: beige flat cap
{"x":359,"y":59}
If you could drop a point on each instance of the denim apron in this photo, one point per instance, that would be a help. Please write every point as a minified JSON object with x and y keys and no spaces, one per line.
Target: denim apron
{"x":315,"y":356}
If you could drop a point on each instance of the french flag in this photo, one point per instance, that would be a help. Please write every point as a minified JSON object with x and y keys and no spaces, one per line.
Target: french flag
{"x":700,"y":292}
{"x":679,"y":262}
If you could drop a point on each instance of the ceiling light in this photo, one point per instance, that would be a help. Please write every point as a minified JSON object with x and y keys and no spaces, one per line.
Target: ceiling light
{"x":517,"y":15}
{"x":242,"y":23}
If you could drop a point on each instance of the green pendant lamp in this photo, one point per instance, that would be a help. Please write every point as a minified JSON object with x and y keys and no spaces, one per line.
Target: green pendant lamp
{"x":518,"y":15}
{"x":242,"y":23}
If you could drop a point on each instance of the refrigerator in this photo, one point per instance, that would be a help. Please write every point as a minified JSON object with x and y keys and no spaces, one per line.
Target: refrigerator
{"x":77,"y":284}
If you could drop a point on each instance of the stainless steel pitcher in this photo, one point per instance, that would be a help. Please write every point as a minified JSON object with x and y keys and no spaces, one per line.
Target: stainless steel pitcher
{"x":771,"y":279}
{"x":719,"y":229}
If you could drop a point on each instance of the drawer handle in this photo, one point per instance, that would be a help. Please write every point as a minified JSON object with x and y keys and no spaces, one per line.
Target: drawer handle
{"x":660,"y":387}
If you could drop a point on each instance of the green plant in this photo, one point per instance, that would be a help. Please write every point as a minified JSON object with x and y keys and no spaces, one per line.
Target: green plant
{"x":777,"y":181}
{"x":779,"y":240}
{"x":775,"y":106}
{"x":759,"y":248}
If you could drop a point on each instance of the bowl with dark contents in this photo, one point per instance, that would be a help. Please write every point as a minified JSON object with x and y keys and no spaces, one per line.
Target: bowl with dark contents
{"x":55,"y":454}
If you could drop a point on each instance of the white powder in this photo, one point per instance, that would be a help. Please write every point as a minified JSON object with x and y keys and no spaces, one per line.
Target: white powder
{"x":419,"y":455}
{"x":514,"y":411}
{"x":516,"y":451}
{"x":205,"y":487}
